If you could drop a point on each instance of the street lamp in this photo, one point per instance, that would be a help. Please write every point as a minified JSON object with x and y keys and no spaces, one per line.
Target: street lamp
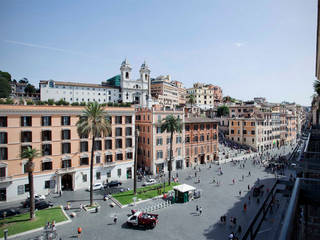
{"x":135,"y":162}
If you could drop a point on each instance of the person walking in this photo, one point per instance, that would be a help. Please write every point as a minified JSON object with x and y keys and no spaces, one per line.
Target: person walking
{"x":239,"y":230}
{"x":233,"y":181}
{"x":249,"y":174}
{"x":240,"y":193}
{"x":200,"y":211}
{"x":242,"y":178}
{"x":79,"y":232}
{"x":248,"y":187}
{"x":115,"y":219}
{"x":197,"y":208}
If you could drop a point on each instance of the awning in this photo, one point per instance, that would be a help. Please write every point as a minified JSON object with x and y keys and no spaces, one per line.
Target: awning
{"x":184,"y":188}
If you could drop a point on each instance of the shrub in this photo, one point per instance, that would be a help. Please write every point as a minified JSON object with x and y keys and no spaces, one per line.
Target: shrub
{"x":75,"y":104}
{"x":116,"y":104}
{"x":110,"y":104}
{"x":82,"y":104}
{"x":50,"y":101}
{"x":30,"y":102}
{"x":2,"y":101}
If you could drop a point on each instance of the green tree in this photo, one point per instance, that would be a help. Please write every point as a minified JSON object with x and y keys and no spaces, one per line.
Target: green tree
{"x":30,"y":154}
{"x":30,"y":89}
{"x":24,"y":80}
{"x":192,"y":99}
{"x":5,"y":89}
{"x":316,"y":86}
{"x":93,"y":123}
{"x":171,"y":125}
{"x":223,"y":111}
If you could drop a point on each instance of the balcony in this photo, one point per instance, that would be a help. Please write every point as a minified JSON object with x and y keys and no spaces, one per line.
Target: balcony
{"x":110,"y":163}
{"x":5,"y":179}
{"x":65,"y":170}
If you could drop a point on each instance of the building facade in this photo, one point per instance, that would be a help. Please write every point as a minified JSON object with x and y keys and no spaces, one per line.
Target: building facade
{"x":153,"y":146}
{"x":65,"y":156}
{"x":206,"y":95}
{"x":201,"y":140}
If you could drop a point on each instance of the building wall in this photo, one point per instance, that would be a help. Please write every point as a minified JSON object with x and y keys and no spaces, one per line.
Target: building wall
{"x":201,"y":150}
{"x":148,"y":121}
{"x":15,"y":166}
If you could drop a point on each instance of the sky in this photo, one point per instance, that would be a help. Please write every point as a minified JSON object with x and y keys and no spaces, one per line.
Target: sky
{"x":249,"y":48}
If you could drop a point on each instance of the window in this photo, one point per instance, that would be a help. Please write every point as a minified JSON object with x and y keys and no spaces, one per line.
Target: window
{"x":118,"y":132}
{"x":26,"y":136}
{"x":159,"y":141}
{"x":129,"y":155}
{"x":179,"y":151}
{"x":253,"y":132}
{"x":46,"y":121}
{"x":83,"y":136}
{"x":108,"y":158}
{"x":187,"y":127}
{"x":84,"y":161}
{"x":158,"y":129}
{"x":118,"y":119}
{"x":98,"y":159}
{"x":46,"y":149}
{"x":98,"y":145}
{"x":195,"y":150}
{"x":65,"y":148}
{"x":119,"y":156}
{"x":178,"y":139}
{"x":47,"y":184}
{"x":232,"y":123}
{"x":46,"y":166}
{"x":187,"y":139}
{"x":26,"y":188}
{"x":244,"y":131}
{"x":202,"y":138}
{"x":65,"y":134}
{"x":108,"y":144}
{"x":46,"y":135}
{"x":128,"y":131}
{"x":3,"y":138}
{"x":83,"y":146}
{"x":244,"y":139}
{"x":84,"y":178}
{"x":118,"y":143}
{"x":65,"y":120}
{"x":129,"y":142}
{"x":128,"y":119}
{"x":119,"y":172}
{"x":208,"y":126}
{"x":195,"y":138}
{"x":3,"y":172}
{"x":3,"y":121}
{"x":252,"y":123}
{"x":201,"y":126}
{"x":252,"y":140}
{"x":159,"y":154}
{"x":98,"y":175}
{"x":195,"y":127}
{"x":26,"y":121}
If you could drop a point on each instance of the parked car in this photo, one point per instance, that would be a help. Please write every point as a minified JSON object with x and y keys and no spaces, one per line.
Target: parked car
{"x":39,"y":204}
{"x":39,"y":197}
{"x":43,"y":204}
{"x":113,"y":184}
{"x":150,"y":181}
{"x":96,"y":186}
{"x":146,"y":220}
{"x":8,"y":212}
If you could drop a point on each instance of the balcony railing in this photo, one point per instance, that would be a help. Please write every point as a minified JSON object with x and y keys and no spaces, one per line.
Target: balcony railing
{"x":5,"y":179}
{"x":65,"y":170}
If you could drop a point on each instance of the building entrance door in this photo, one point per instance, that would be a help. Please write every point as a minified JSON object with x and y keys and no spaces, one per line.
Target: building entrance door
{"x":202,"y":159}
{"x":3,"y":194}
{"x":66,"y":182}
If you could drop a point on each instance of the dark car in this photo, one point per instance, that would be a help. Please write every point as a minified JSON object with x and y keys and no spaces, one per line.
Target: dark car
{"x":43,"y":204}
{"x":39,"y":204}
{"x":113,"y":184}
{"x":8,"y":212}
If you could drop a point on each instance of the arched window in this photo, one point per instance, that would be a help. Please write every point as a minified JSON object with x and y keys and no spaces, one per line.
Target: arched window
{"x":137,"y":86}
{"x":146,"y":76}
{"x":127,"y":75}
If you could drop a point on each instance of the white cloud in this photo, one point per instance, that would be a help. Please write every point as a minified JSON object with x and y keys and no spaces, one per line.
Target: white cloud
{"x":44,"y":47}
{"x":239,"y":44}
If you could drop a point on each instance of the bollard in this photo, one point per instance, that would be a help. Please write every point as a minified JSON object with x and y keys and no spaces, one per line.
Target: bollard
{"x":5,"y":234}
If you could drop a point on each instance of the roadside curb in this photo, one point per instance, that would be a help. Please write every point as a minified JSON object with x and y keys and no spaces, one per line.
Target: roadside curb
{"x":41,"y":228}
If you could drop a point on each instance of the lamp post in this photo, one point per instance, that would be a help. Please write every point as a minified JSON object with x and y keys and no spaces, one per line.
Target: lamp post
{"x":135,"y":163}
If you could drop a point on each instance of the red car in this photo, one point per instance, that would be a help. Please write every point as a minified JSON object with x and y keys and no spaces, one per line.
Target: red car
{"x":142,"y":219}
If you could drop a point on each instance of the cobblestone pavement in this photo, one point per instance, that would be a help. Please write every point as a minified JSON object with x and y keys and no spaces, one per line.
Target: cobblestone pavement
{"x":179,"y":221}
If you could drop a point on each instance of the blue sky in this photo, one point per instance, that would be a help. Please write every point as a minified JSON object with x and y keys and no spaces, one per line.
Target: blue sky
{"x":249,"y":48}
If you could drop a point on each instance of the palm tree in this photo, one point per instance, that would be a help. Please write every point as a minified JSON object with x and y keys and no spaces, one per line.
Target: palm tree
{"x":192,"y":100}
{"x":93,"y":123}
{"x":316,"y":86}
{"x":171,"y":124}
{"x":30,"y":154}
